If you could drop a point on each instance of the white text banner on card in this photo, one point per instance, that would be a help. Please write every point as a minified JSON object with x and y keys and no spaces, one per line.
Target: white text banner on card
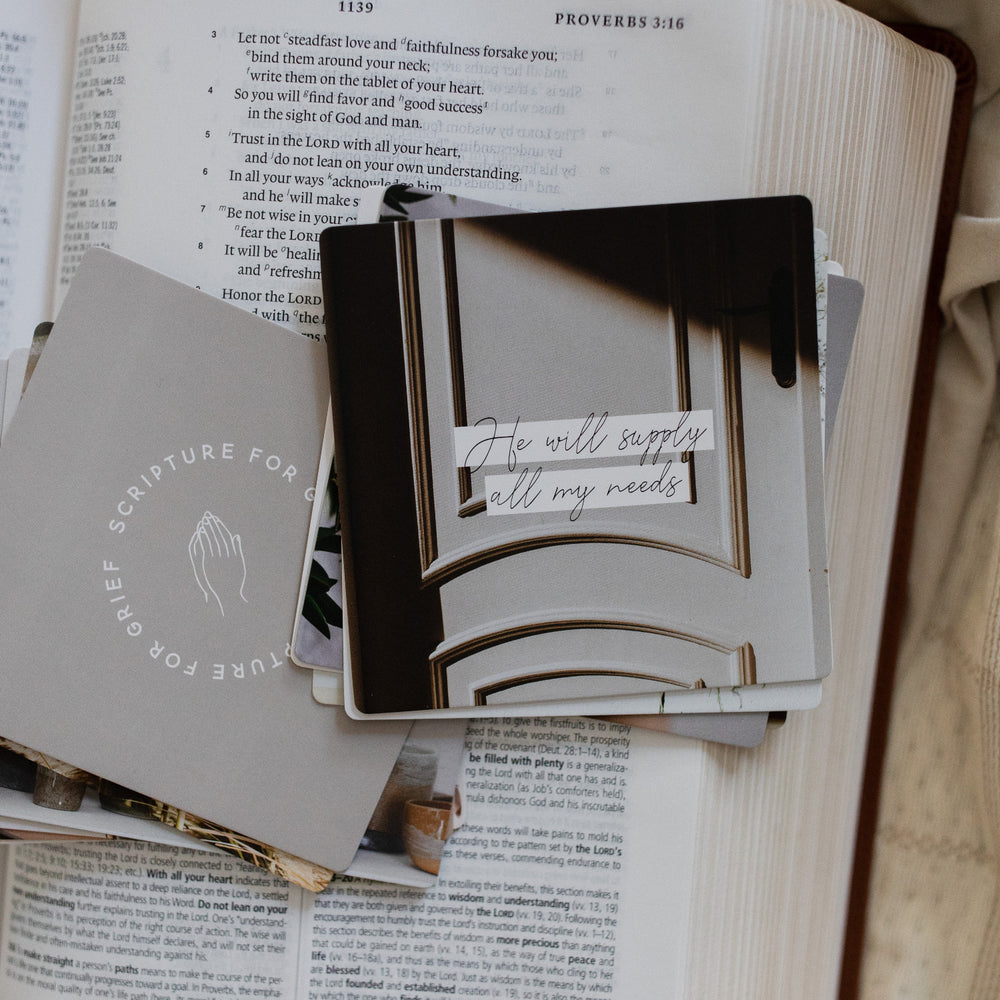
{"x":535,"y":491}
{"x":648,"y":435}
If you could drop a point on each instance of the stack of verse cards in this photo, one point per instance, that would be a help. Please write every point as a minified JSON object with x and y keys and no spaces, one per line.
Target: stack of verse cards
{"x":579,"y":460}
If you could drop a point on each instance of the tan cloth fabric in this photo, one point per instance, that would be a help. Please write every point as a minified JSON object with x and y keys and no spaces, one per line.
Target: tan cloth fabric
{"x":934,"y":913}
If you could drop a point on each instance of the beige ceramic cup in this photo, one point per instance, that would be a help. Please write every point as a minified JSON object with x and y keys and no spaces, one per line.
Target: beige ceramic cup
{"x":427,"y":825}
{"x":412,"y":777}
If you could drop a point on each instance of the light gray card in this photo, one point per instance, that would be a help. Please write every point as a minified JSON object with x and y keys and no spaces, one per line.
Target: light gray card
{"x":845,"y":298}
{"x":155,"y":492}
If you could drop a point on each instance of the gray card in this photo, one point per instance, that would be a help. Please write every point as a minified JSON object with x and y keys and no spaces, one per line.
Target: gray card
{"x":844,"y":299}
{"x":156,"y":487}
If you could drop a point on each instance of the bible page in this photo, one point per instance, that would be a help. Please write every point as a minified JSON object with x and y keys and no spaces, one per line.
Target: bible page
{"x":226,"y":140}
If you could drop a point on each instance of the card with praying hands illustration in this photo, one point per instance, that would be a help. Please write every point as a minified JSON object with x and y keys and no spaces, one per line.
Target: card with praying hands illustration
{"x":156,"y":487}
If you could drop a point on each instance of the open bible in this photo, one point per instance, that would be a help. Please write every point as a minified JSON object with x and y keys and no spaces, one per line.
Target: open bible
{"x":215,"y":146}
